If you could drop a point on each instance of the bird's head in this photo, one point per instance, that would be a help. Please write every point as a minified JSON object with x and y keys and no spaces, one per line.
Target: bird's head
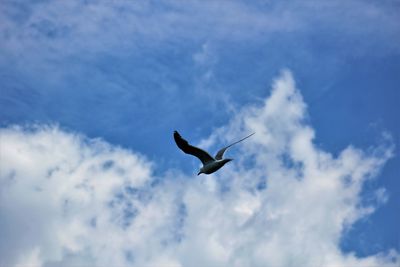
{"x":201,"y":171}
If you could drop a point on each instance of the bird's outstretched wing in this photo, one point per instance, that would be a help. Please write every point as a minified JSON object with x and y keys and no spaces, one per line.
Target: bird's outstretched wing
{"x":192,"y":150}
{"x":221,"y":152}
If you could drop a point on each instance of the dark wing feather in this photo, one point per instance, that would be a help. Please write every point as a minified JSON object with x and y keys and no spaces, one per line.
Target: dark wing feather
{"x":221,"y":152}
{"x":192,"y":150}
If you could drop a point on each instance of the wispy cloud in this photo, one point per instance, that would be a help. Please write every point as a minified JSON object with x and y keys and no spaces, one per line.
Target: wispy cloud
{"x":67,"y":29}
{"x":68,"y":200}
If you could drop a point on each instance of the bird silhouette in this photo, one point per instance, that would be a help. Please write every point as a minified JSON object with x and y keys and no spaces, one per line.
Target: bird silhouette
{"x":210,"y":164}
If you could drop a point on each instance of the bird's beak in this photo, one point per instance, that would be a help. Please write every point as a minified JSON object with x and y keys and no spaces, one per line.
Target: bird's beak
{"x":199,"y":173}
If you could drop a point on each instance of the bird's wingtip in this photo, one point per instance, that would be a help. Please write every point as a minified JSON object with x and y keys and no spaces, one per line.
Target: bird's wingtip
{"x":177,"y":136}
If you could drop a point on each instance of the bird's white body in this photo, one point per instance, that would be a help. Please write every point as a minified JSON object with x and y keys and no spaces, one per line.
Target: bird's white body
{"x":213,"y":166}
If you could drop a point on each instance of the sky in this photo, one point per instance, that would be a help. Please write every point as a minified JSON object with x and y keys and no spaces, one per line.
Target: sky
{"x":91,"y":92}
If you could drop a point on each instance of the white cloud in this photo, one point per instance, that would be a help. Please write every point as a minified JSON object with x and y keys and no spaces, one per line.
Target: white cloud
{"x":67,"y":200}
{"x":76,"y":27}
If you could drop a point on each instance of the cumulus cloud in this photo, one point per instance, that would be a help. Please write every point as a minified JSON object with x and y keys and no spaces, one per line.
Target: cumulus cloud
{"x":68,"y":200}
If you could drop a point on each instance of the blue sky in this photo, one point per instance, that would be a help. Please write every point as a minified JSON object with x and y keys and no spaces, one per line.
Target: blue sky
{"x":130,"y":73}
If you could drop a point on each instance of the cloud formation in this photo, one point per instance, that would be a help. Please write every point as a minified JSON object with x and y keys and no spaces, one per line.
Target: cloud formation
{"x":75,"y":27}
{"x":68,"y":200}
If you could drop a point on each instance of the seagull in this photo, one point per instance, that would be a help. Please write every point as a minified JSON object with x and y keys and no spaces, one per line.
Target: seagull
{"x":210,"y":164}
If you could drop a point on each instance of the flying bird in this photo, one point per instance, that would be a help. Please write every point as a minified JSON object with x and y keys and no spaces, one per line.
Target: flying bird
{"x":210,"y":164}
